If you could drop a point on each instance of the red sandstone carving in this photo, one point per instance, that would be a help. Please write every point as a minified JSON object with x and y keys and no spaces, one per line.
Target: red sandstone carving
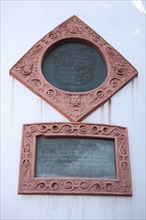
{"x":28,"y":184}
{"x":28,"y":71}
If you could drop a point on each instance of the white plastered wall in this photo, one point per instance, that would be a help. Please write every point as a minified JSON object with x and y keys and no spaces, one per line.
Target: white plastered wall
{"x":122,"y":24}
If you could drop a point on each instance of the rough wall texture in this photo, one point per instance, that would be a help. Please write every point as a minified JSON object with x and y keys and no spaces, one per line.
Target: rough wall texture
{"x":122,"y":25}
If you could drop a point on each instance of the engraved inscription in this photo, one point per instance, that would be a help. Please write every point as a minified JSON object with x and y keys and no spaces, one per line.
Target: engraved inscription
{"x":75,"y":157}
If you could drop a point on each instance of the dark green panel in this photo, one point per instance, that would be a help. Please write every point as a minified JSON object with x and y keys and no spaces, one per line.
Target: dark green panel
{"x":75,"y":157}
{"x":74,"y":67}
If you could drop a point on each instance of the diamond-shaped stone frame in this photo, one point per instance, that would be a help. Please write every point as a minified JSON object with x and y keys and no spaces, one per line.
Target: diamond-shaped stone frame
{"x":73,"y":105}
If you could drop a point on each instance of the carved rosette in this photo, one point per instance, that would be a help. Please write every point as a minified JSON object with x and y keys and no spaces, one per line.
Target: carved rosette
{"x":28,"y":184}
{"x":28,"y":71}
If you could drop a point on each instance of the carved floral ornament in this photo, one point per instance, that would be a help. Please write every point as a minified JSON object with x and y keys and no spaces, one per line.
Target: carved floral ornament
{"x":29,"y":184}
{"x":73,"y":105}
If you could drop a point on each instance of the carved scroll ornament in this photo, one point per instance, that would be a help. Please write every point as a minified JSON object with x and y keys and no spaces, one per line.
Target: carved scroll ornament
{"x":29,"y":184}
{"x":74,"y":105}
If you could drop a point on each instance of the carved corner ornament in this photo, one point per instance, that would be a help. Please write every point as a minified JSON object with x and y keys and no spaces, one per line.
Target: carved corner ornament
{"x":73,"y":105}
{"x":29,"y":184}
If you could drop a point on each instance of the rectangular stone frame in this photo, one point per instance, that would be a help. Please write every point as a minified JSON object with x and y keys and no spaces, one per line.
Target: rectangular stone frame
{"x":29,"y":184}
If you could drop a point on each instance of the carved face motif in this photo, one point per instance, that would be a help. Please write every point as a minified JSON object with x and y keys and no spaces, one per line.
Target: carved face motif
{"x":75,"y":102}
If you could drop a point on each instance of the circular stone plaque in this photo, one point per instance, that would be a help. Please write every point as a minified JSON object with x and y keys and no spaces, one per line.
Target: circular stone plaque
{"x":74,"y":67}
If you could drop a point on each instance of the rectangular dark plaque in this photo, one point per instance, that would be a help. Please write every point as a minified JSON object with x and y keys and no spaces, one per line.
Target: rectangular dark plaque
{"x":75,"y":157}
